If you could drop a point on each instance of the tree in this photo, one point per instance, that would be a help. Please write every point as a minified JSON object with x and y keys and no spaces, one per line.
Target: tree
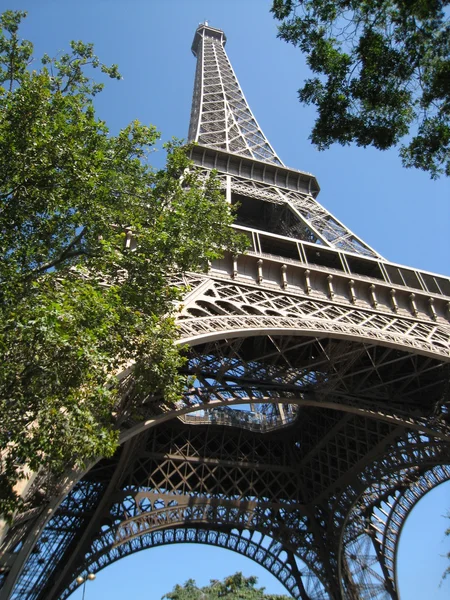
{"x":235,"y":587}
{"x":91,"y":237}
{"x":382,"y":74}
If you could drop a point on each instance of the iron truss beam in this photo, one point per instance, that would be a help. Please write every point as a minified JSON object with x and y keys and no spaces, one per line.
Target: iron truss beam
{"x":260,"y":495}
{"x":317,"y":411}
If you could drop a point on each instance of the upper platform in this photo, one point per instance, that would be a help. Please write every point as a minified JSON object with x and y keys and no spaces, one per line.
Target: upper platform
{"x":205,"y":29}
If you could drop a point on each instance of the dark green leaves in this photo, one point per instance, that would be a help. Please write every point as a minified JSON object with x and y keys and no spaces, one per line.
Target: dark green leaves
{"x":15,"y":54}
{"x":77,"y":303}
{"x":383,"y":73}
{"x":235,"y":587}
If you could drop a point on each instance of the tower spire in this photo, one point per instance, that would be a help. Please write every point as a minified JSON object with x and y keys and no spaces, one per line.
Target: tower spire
{"x":221,"y":117}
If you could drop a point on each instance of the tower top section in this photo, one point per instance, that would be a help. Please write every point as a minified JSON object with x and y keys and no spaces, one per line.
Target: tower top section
{"x":220,"y":116}
{"x":205,"y":29}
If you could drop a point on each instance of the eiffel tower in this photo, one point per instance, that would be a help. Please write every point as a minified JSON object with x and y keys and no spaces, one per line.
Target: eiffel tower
{"x":319,"y":413}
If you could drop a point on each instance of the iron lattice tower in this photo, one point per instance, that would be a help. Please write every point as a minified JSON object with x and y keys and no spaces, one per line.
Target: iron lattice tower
{"x":341,"y":359}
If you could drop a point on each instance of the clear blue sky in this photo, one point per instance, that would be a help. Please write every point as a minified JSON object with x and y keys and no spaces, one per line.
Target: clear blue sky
{"x":401,"y":213}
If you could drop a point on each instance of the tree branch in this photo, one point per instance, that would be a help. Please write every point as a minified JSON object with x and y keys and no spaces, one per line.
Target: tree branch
{"x":65,"y":254}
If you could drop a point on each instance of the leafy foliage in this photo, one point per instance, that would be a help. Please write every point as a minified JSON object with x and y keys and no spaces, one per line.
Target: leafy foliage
{"x":383,"y":72}
{"x":77,"y":301}
{"x":235,"y":587}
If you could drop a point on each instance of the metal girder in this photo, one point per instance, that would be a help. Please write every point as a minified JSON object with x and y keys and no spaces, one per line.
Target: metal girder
{"x":310,"y":220}
{"x":317,"y":411}
{"x":229,"y":307}
{"x":228,"y":481}
{"x":371,"y":535}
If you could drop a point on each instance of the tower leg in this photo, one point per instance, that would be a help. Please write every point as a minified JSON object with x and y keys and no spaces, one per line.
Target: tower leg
{"x":298,"y":577}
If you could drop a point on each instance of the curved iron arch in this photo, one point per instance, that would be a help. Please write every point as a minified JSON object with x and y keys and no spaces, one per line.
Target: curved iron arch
{"x":194,"y":331}
{"x":246,"y":545}
{"x":428,"y":454}
{"x":408,"y":504}
{"x":230,"y":541}
{"x":172,"y":415}
{"x":373,"y":530}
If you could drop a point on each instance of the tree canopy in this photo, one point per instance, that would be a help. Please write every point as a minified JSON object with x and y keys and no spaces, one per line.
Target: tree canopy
{"x":382,"y":74}
{"x":91,"y":237}
{"x":235,"y":587}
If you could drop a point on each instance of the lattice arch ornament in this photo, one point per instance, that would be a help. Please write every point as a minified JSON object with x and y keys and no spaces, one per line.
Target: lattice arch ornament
{"x":247,"y":493}
{"x":196,"y":522}
{"x":317,"y":411}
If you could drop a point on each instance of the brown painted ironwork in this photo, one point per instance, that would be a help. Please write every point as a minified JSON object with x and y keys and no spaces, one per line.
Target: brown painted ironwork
{"x":317,"y":411}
